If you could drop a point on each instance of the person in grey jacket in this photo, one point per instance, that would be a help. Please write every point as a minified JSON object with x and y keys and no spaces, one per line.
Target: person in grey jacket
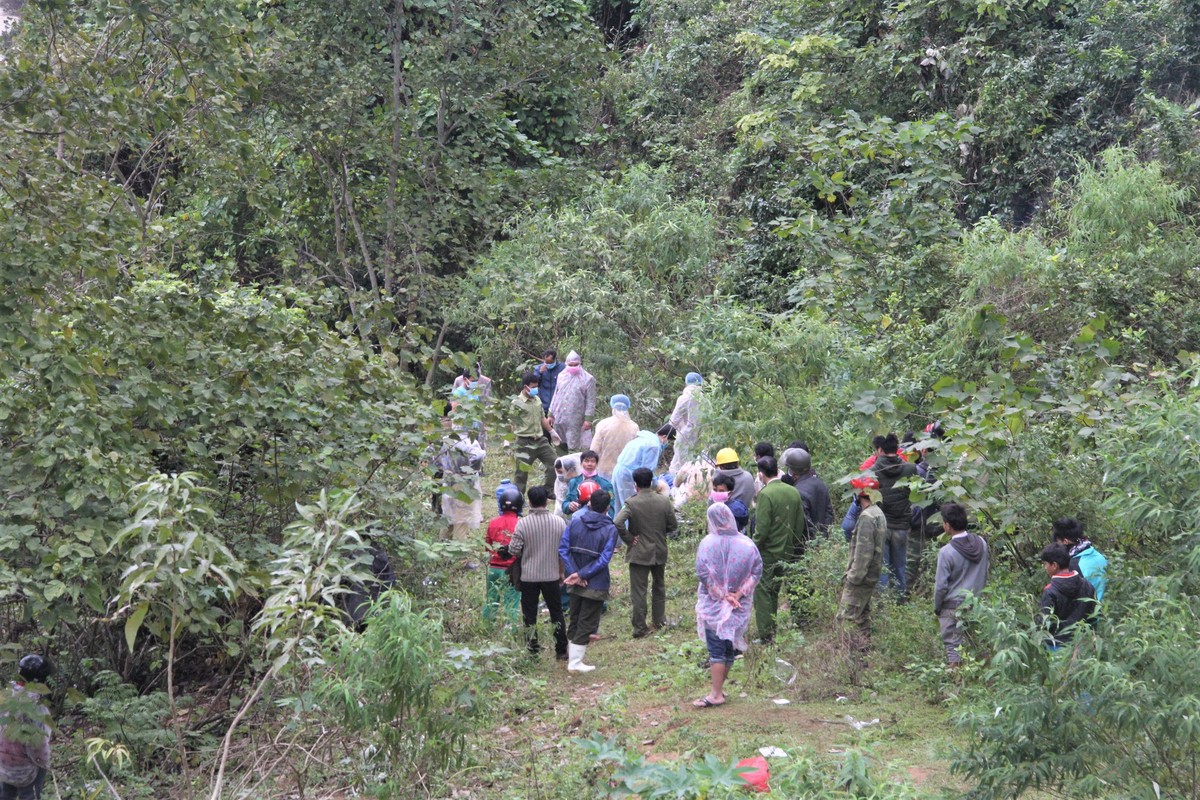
{"x":818,"y":505}
{"x":645,"y":524}
{"x":962,"y":567}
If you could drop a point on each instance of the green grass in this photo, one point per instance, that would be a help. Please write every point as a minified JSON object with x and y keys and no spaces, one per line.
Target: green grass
{"x":642,"y":689}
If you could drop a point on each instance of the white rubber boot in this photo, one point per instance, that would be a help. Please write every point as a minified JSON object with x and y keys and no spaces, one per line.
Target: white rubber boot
{"x":575,"y":654}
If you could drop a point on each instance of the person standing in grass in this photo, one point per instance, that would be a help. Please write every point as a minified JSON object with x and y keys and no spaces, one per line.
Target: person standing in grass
{"x":547,"y":374}
{"x":778,"y":533}
{"x":645,"y":524}
{"x":501,"y":596}
{"x":685,"y":418}
{"x":728,"y":567}
{"x":962,"y":567}
{"x":535,"y":542}
{"x":865,"y":564}
{"x":586,"y":548}
{"x":573,"y":406}
{"x":894,"y":473}
{"x":531,"y":426}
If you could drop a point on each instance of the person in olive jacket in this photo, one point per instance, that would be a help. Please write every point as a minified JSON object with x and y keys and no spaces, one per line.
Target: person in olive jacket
{"x":779,"y":532}
{"x":645,"y":523}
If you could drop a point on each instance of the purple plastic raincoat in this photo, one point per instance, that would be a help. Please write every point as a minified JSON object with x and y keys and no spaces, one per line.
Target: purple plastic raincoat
{"x":727,"y":561}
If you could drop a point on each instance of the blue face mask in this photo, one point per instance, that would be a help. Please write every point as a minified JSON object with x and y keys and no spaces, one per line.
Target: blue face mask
{"x":533,"y":392}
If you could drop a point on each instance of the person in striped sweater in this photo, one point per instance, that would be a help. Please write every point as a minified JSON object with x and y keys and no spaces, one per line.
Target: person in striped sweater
{"x":535,"y":542}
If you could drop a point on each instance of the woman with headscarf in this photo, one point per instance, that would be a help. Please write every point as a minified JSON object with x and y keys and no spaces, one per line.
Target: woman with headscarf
{"x":728,"y":567}
{"x":613,"y":434}
{"x":573,"y":406}
{"x":686,"y":418}
{"x":643,"y":450}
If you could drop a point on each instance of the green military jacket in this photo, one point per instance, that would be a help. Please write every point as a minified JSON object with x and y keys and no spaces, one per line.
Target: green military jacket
{"x":648,"y":517}
{"x":779,"y":522}
{"x":866,"y":548}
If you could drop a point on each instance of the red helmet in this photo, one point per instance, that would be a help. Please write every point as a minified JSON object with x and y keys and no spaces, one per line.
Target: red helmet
{"x":585,"y":490}
{"x":864,"y":482}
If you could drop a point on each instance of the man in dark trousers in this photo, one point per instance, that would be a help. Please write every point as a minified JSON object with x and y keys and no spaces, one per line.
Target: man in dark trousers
{"x":530,"y":426}
{"x":893,"y":473}
{"x":778,"y":533}
{"x":645,"y":523}
{"x":585,"y":549}
{"x":535,"y":542}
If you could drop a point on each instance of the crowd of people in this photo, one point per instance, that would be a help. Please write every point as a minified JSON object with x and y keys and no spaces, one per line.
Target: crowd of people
{"x":601,"y":490}
{"x":603,"y":487}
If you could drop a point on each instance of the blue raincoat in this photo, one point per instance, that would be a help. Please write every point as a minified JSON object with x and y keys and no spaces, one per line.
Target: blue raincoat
{"x":643,"y":450}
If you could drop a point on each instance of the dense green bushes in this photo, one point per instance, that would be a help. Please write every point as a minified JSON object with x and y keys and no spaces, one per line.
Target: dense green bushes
{"x":239,"y":239}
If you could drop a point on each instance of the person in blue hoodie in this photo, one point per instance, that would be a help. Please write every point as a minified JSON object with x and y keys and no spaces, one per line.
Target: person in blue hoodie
{"x":586,"y":548}
{"x":1085,"y":559}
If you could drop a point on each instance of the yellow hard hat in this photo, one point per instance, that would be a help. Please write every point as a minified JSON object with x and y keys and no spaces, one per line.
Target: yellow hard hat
{"x":727,"y":455}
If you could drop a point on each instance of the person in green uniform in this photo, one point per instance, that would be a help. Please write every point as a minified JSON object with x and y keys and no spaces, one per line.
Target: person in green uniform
{"x":530,"y":426}
{"x":865,"y":564}
{"x":645,"y":523}
{"x":778,"y":531}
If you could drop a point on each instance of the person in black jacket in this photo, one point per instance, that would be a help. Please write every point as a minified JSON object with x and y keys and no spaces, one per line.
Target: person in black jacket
{"x":1068,"y":598}
{"x":893,"y":473}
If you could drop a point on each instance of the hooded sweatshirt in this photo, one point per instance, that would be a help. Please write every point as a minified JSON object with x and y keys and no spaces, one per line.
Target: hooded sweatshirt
{"x":587,"y":547}
{"x":1088,"y":562}
{"x":890,"y":469}
{"x":962,"y":566}
{"x":1070,"y":599}
{"x":743,"y":484}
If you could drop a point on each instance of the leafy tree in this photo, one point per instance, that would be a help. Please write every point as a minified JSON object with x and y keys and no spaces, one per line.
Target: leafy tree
{"x":599,"y":276}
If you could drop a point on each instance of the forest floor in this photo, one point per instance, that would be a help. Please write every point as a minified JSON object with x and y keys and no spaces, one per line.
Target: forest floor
{"x":801,"y":695}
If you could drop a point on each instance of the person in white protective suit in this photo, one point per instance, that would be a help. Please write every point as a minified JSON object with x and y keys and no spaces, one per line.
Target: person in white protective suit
{"x":686,"y":419}
{"x":612,"y":434}
{"x":643,"y":450}
{"x":460,"y":460}
{"x":574,"y":406}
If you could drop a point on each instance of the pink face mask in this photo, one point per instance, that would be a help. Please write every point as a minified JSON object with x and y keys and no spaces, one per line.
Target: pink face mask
{"x":574,"y":369}
{"x":718,"y":497}
{"x":588,"y":473}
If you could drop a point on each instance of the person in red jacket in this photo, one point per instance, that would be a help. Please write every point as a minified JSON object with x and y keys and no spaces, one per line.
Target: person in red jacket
{"x":501,"y":596}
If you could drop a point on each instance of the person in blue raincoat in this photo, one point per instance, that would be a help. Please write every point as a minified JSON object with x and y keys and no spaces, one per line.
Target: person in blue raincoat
{"x":643,"y":450}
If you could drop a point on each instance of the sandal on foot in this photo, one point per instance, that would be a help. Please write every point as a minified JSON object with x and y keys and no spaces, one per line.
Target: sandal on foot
{"x":704,"y":702}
